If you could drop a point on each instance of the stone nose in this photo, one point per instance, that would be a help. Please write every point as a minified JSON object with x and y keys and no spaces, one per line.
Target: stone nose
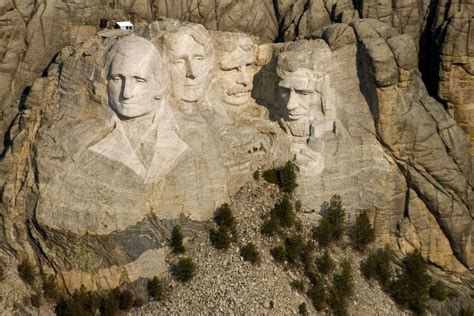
{"x":292,"y":101}
{"x":245,"y":77}
{"x":191,"y":70}
{"x":128,"y":88}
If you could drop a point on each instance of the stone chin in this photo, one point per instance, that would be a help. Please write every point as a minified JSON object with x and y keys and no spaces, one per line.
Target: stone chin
{"x":190,"y":93}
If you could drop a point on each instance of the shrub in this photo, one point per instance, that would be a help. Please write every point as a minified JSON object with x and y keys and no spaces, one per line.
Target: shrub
{"x":411,"y":288}
{"x":466,"y":311}
{"x":185,"y":269}
{"x":302,"y":309}
{"x":81,"y":303}
{"x":155,"y":288}
{"x":362,"y":232}
{"x":307,"y":255}
{"x":50,"y":287}
{"x":344,"y":282}
{"x":438,"y":291}
{"x":298,"y":205}
{"x":270,"y":227}
{"x":271,"y":176}
{"x":26,"y":272}
{"x":324,"y":263}
{"x":283,"y":213}
{"x":176,"y":242}
{"x":109,"y":305}
{"x":138,"y":302}
{"x":317,"y":295}
{"x":2,"y":272}
{"x":225,"y":217}
{"x":331,"y":226}
{"x":342,"y":289}
{"x":250,"y":253}
{"x":278,"y":253}
{"x":36,"y":299}
{"x":377,"y":266}
{"x":126,"y":299}
{"x":338,"y":303}
{"x":298,"y":285}
{"x":288,"y":177}
{"x":221,"y":238}
{"x":294,"y":247}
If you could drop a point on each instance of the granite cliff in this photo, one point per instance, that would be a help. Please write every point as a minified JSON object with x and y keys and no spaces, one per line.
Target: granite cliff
{"x":113,"y":138}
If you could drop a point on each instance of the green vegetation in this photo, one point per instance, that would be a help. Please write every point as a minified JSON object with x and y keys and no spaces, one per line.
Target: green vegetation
{"x":185,"y":269}
{"x":325,"y":264}
{"x":332,"y":224}
{"x":438,"y":291}
{"x":155,"y":288}
{"x":302,"y":309}
{"x":225,"y":217}
{"x":26,"y":272}
{"x":361,"y":232}
{"x":343,"y":286}
{"x":270,"y":227}
{"x":221,"y":238}
{"x":294,"y":246}
{"x":109,"y":306}
{"x":411,"y":288}
{"x":317,"y":293}
{"x":50,"y":287}
{"x":250,"y":253}
{"x":227,"y":231}
{"x":126,"y":299}
{"x":298,"y":285}
{"x":283,"y":213}
{"x":278,"y":253}
{"x":176,"y":242}
{"x":378,"y":266}
{"x":288,"y":177}
{"x":271,"y":176}
{"x":81,"y":302}
{"x":285,"y":177}
{"x":36,"y":299}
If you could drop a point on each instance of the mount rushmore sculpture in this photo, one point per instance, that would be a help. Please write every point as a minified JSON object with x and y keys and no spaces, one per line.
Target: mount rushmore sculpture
{"x":129,"y":134}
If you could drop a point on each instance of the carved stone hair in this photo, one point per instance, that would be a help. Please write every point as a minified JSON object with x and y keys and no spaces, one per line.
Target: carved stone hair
{"x":299,"y":55}
{"x":134,"y":46}
{"x":196,"y":31}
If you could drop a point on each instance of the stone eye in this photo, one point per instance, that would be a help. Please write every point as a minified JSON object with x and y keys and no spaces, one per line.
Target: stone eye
{"x":141,"y":80}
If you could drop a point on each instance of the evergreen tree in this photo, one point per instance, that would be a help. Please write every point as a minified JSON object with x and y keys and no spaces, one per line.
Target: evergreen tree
{"x":177,"y":240}
{"x":288,"y":177}
{"x":362,"y":232}
{"x":155,"y":289}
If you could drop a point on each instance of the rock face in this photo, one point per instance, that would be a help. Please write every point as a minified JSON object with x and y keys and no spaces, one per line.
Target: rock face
{"x":127,"y":135}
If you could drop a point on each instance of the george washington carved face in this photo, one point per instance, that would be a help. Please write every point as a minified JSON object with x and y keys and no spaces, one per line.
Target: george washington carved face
{"x":136,"y":78}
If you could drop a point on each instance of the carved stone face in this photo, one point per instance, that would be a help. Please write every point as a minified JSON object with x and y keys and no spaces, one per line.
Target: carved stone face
{"x":189,"y":67}
{"x":297,"y":91}
{"x":235,"y":77}
{"x":132,"y":86}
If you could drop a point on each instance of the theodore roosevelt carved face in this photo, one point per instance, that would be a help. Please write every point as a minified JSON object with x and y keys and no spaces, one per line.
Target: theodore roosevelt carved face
{"x":136,"y":78}
{"x":236,"y":59}
{"x":190,"y":57}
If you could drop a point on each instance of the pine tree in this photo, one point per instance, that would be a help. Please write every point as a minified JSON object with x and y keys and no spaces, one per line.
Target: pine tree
{"x":177,"y":240}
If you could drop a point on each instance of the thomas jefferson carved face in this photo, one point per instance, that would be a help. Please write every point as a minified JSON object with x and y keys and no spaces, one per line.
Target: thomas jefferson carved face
{"x":236,"y":70}
{"x":189,"y":55}
{"x":134,"y":87}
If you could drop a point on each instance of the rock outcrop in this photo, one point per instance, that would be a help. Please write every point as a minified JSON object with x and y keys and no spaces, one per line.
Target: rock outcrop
{"x":127,"y":135}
